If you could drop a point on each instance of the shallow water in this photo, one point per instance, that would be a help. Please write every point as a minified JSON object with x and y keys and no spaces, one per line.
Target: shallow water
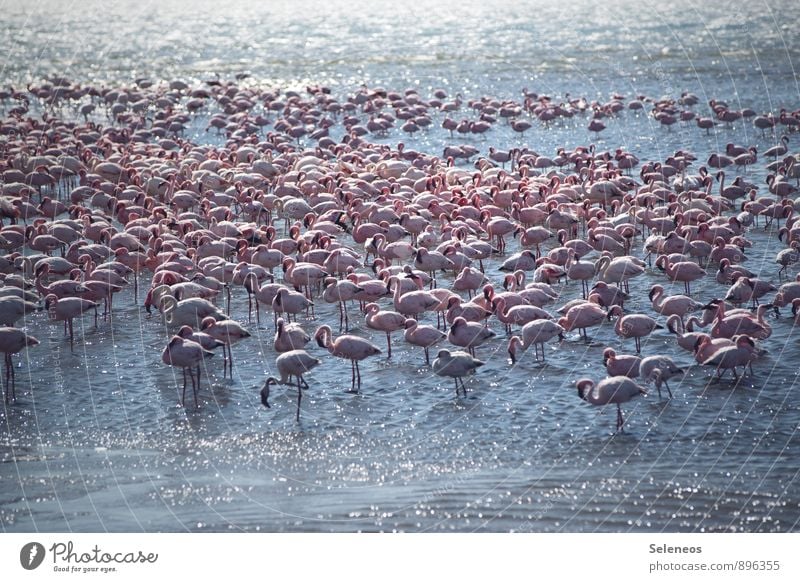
{"x":97,"y":442}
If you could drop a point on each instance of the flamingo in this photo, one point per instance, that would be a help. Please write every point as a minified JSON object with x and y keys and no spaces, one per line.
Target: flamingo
{"x":12,"y":309}
{"x":583,"y":315}
{"x":621,"y":365}
{"x":659,"y":369}
{"x":614,"y":390}
{"x":66,"y":309}
{"x":289,"y":336}
{"x":185,"y":354}
{"x":679,"y":305}
{"x":456,"y":365}
{"x":340,"y":292}
{"x":12,"y":341}
{"x":189,"y":311}
{"x":349,"y":347}
{"x":385,"y":321}
{"x":412,"y":303}
{"x":290,"y":303}
{"x":635,"y":325}
{"x":228,"y":332}
{"x":685,"y":271}
{"x":537,"y":333}
{"x":742,"y":353}
{"x":469,"y":334}
{"x":294,"y":363}
{"x":425,"y":336}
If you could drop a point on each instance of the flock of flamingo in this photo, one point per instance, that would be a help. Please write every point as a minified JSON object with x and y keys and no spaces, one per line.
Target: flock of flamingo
{"x":102,"y":190}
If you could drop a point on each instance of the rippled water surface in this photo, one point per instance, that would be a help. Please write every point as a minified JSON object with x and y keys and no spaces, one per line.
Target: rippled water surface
{"x":97,"y":441}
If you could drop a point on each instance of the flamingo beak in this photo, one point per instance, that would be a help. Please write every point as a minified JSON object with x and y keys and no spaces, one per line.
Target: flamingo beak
{"x":265,"y":395}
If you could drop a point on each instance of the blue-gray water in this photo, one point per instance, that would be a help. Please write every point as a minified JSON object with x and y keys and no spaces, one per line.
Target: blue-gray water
{"x":97,"y":442}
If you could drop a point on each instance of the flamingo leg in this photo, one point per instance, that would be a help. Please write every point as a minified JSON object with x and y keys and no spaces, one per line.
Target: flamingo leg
{"x":299,"y":398}
{"x":666,"y":385}
{"x":358,"y":375}
{"x":71,"y":337}
{"x":195,"y":387}
{"x":389,"y":344}
{"x":620,"y":420}
{"x":427,"y":357}
{"x":183,"y":394}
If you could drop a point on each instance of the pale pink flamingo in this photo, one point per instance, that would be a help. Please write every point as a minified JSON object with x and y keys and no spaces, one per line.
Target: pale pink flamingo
{"x":469,"y":280}
{"x":621,"y":365}
{"x":607,"y":295}
{"x":349,"y":347}
{"x":497,"y":228}
{"x":614,"y":390}
{"x":788,"y":257}
{"x":12,"y":341}
{"x":469,"y":334}
{"x":340,"y":292}
{"x":13,"y":308}
{"x":289,"y":336}
{"x":728,"y":325}
{"x":294,"y":363}
{"x":517,"y":314}
{"x":385,"y":321}
{"x":619,"y":269}
{"x":456,"y":365}
{"x":430,"y":262}
{"x":635,"y":325}
{"x":470,"y":311}
{"x":185,"y":354}
{"x":659,"y":369}
{"x":685,"y":271}
{"x":537,"y":333}
{"x":729,"y":358}
{"x":583,"y":315}
{"x":679,"y":305}
{"x":685,"y":335}
{"x":425,"y":336}
{"x":578,"y":271}
{"x":66,"y":309}
{"x":289,"y":302}
{"x":188,"y":311}
{"x":228,"y":332}
{"x":412,"y":303}
{"x":796,"y":310}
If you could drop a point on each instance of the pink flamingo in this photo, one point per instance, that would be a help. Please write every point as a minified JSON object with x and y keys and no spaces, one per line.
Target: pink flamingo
{"x":679,"y":305}
{"x":729,"y":358}
{"x":659,"y":369}
{"x":685,"y":271}
{"x":622,"y":365}
{"x":469,"y":334}
{"x":385,"y":321}
{"x":185,"y":354}
{"x":294,"y":363}
{"x":66,"y":309}
{"x":456,"y":365}
{"x":635,"y":325}
{"x":412,"y":303}
{"x":537,"y":333}
{"x":289,"y":336}
{"x":340,"y":292}
{"x":12,"y":341}
{"x":614,"y":390}
{"x":349,"y":347}
{"x":228,"y":332}
{"x":583,"y":315}
{"x":424,"y":336}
